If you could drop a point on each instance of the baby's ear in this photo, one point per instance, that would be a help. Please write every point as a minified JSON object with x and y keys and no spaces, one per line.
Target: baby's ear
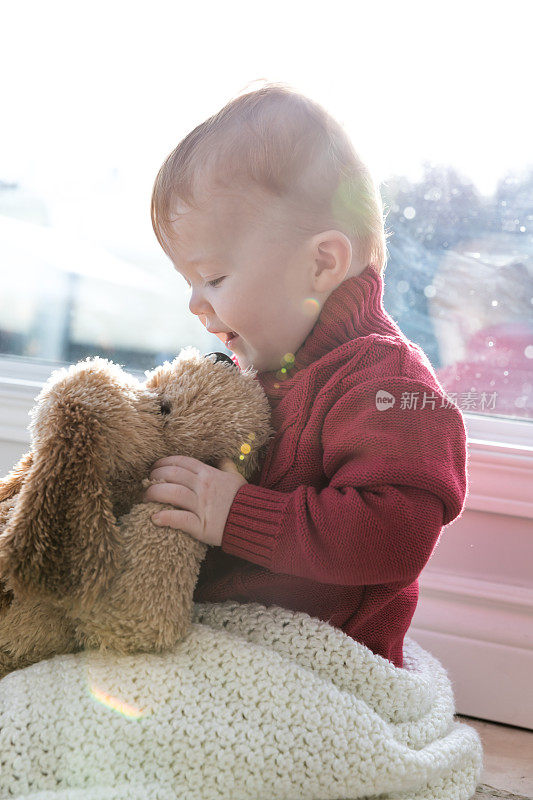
{"x":12,"y":483}
{"x":62,"y":535}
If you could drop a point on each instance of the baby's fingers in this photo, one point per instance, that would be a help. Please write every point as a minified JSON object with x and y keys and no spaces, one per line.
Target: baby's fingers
{"x":173,"y":493}
{"x":179,"y":519}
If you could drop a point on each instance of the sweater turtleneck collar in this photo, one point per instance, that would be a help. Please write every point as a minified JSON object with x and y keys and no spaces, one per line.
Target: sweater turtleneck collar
{"x":353,"y":309}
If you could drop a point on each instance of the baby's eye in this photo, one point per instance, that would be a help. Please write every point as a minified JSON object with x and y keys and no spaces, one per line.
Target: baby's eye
{"x":215,"y":282}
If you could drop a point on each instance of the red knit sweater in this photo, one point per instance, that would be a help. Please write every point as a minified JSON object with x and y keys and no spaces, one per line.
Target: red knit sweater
{"x":350,"y":500}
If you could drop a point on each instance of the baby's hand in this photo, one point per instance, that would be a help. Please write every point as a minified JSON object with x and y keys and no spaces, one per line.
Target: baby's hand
{"x":202,"y":495}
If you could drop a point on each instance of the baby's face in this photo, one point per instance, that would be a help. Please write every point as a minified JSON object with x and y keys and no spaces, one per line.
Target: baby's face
{"x":246,"y":276}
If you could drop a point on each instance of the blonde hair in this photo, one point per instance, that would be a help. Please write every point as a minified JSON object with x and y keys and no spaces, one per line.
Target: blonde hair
{"x":289,"y":146}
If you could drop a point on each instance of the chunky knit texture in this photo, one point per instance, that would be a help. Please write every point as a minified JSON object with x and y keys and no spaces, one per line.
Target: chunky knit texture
{"x":350,"y":500}
{"x":254,"y":704}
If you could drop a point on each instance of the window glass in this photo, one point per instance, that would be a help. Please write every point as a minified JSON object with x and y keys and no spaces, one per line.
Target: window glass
{"x":103,"y":94}
{"x":460,"y":284}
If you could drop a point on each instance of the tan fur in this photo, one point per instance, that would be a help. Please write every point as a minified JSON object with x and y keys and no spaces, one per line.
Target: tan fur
{"x":81,"y":563}
{"x":9,"y":487}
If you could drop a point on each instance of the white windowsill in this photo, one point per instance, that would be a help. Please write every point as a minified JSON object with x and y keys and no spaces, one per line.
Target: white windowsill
{"x":24,"y":379}
{"x":500,"y":450}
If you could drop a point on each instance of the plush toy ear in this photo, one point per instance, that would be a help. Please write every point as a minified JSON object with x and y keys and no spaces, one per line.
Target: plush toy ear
{"x":11,"y":484}
{"x":9,"y":487}
{"x":62,"y":534}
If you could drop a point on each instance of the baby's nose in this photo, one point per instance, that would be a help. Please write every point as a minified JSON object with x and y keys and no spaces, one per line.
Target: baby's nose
{"x":197,"y":304}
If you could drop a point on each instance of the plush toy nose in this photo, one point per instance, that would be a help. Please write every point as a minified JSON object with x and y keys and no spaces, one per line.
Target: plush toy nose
{"x":221,"y":357}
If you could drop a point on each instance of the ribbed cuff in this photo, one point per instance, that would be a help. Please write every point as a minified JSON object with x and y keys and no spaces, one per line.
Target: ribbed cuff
{"x":253,"y":523}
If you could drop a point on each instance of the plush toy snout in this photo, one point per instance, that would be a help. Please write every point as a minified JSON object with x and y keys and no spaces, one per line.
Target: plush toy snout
{"x":221,"y":357}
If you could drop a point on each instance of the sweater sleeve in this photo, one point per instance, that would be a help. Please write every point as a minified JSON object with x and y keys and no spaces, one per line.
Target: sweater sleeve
{"x":396,"y":475}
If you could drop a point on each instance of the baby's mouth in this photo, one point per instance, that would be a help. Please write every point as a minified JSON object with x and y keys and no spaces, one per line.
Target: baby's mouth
{"x":226,"y":337}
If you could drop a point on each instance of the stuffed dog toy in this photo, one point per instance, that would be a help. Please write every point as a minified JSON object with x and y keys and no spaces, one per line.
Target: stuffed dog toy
{"x":81,"y":563}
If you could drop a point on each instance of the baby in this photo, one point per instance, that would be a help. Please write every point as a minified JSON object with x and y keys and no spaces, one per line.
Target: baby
{"x":269,"y":215}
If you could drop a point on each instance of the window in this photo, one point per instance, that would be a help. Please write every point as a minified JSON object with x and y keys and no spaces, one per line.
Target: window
{"x":460,"y":284}
{"x":95,"y":105}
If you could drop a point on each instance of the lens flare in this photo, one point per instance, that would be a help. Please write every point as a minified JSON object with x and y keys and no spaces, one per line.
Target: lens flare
{"x":287,"y":363}
{"x":311,"y":307}
{"x":246,"y":449}
{"x":116,"y":704}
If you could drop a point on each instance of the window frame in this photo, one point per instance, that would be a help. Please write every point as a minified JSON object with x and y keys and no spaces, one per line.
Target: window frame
{"x":19,"y":375}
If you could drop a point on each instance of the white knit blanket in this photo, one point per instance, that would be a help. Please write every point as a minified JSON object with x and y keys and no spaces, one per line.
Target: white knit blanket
{"x":255,"y":704}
